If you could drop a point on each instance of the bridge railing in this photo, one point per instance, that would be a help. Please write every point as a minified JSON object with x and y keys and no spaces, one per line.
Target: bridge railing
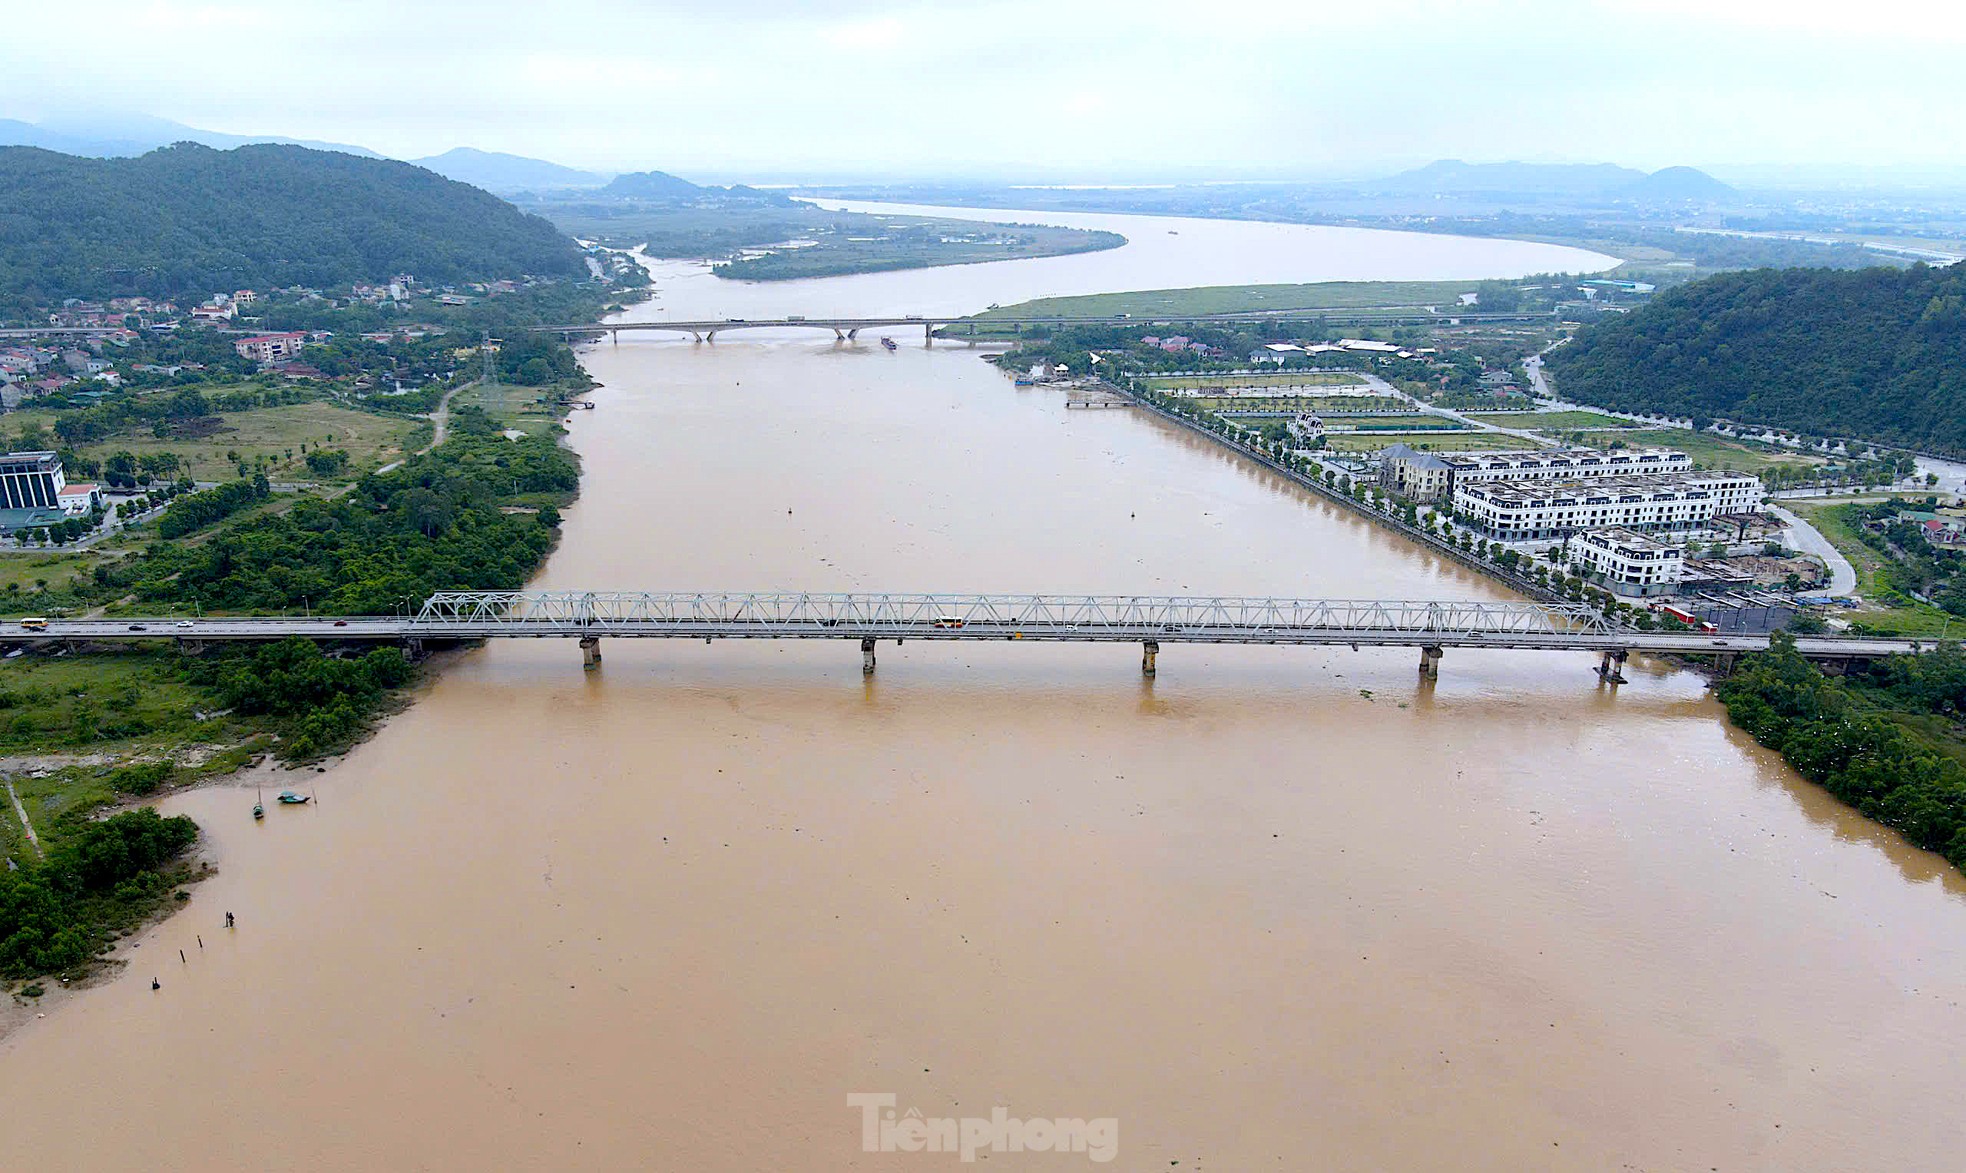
{"x":601,"y":610}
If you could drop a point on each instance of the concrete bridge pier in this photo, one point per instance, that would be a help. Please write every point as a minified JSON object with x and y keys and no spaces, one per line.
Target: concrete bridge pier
{"x":867,"y":657}
{"x":1611,"y":668}
{"x":191,"y":647}
{"x":1430,"y":663}
{"x":928,"y":334}
{"x":590,"y":652}
{"x":1149,"y":651}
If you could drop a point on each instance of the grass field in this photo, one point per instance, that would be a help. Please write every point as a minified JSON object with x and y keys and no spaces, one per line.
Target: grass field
{"x":1331,"y":405}
{"x":1230,"y":299}
{"x":1264,"y":379}
{"x":28,"y":568}
{"x":273,"y":432}
{"x":518,"y":405}
{"x":1447,"y":442}
{"x":1832,"y":519}
{"x":118,"y":705}
{"x":1715,"y":452}
{"x":1406,"y":423}
{"x":1549,"y":419}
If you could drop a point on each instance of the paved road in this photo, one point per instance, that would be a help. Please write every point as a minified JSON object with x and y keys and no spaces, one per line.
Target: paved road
{"x":397,"y":630}
{"x":1384,"y":388}
{"x":1810,"y":540}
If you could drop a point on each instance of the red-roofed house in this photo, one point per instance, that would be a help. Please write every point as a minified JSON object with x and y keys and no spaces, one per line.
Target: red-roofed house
{"x":78,"y":500}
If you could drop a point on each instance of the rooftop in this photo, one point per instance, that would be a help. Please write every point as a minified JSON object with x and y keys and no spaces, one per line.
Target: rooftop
{"x":1414,"y":456}
{"x":1603,"y":490}
{"x":29,"y":462}
{"x":1625,"y":541}
{"x":1538,"y":458}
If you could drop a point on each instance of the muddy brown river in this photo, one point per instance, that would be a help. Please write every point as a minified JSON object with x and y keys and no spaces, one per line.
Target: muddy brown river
{"x":1279,"y":908}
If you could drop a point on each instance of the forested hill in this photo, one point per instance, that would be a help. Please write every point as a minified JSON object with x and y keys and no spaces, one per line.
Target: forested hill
{"x":189,"y":220}
{"x":1872,"y":353}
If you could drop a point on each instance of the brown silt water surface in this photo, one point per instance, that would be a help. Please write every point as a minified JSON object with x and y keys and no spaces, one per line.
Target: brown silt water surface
{"x":1277,"y":908}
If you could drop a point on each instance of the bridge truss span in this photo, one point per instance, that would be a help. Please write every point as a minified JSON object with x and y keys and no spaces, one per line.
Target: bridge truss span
{"x":1075,"y":617}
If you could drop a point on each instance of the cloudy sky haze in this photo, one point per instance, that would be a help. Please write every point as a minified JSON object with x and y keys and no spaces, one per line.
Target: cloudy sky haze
{"x":1022,"y":88}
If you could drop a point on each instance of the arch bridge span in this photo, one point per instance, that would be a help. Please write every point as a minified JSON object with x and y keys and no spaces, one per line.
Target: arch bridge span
{"x":707,"y":329}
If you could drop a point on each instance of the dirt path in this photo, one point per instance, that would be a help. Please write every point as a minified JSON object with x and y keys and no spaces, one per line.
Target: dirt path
{"x":22,"y":812}
{"x":440,"y":426}
{"x":440,"y":419}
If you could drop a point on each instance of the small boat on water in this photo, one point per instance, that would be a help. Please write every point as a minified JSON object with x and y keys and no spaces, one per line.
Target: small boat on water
{"x":259,"y":810}
{"x":888,"y":342}
{"x":289,"y":798}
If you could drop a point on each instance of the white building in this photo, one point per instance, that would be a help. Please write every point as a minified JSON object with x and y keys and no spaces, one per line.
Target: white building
{"x":268,"y":348}
{"x":1565,"y":464}
{"x":79,"y":500}
{"x":1631,"y":563}
{"x":1415,"y":475}
{"x":1683,"y":504}
{"x":30,"y":480}
{"x":1305,"y":428}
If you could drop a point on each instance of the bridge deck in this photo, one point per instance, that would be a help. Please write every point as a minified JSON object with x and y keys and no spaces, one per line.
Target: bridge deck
{"x":1040,"y":618}
{"x":931,"y":321}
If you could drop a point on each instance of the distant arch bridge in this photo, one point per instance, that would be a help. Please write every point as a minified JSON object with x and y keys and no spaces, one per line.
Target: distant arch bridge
{"x":707,"y":329}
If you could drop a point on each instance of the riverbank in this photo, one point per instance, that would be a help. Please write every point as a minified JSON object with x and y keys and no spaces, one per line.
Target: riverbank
{"x":1235,"y":299}
{"x":480,"y":509}
{"x":1432,"y":542}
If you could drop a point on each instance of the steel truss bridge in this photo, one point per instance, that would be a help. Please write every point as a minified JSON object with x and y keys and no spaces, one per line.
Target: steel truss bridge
{"x":1148,"y":620}
{"x":845,"y":328}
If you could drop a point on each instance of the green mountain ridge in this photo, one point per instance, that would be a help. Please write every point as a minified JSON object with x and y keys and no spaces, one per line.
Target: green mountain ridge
{"x":1876,"y":353}
{"x":188,"y":220}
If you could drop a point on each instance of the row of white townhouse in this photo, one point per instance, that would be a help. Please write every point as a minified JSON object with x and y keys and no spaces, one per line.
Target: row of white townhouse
{"x":1433,"y":476}
{"x":1684,"y":503}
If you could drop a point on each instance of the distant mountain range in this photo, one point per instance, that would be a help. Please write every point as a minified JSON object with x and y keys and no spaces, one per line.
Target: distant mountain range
{"x":498,"y":172}
{"x":125,"y":135}
{"x":1571,"y":180}
{"x":1680,"y":183}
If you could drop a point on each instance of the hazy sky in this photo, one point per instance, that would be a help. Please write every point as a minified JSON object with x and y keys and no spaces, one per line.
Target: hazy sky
{"x":1023,"y":88}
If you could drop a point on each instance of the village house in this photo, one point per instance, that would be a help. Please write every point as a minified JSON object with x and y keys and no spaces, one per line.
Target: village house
{"x":270,"y":348}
